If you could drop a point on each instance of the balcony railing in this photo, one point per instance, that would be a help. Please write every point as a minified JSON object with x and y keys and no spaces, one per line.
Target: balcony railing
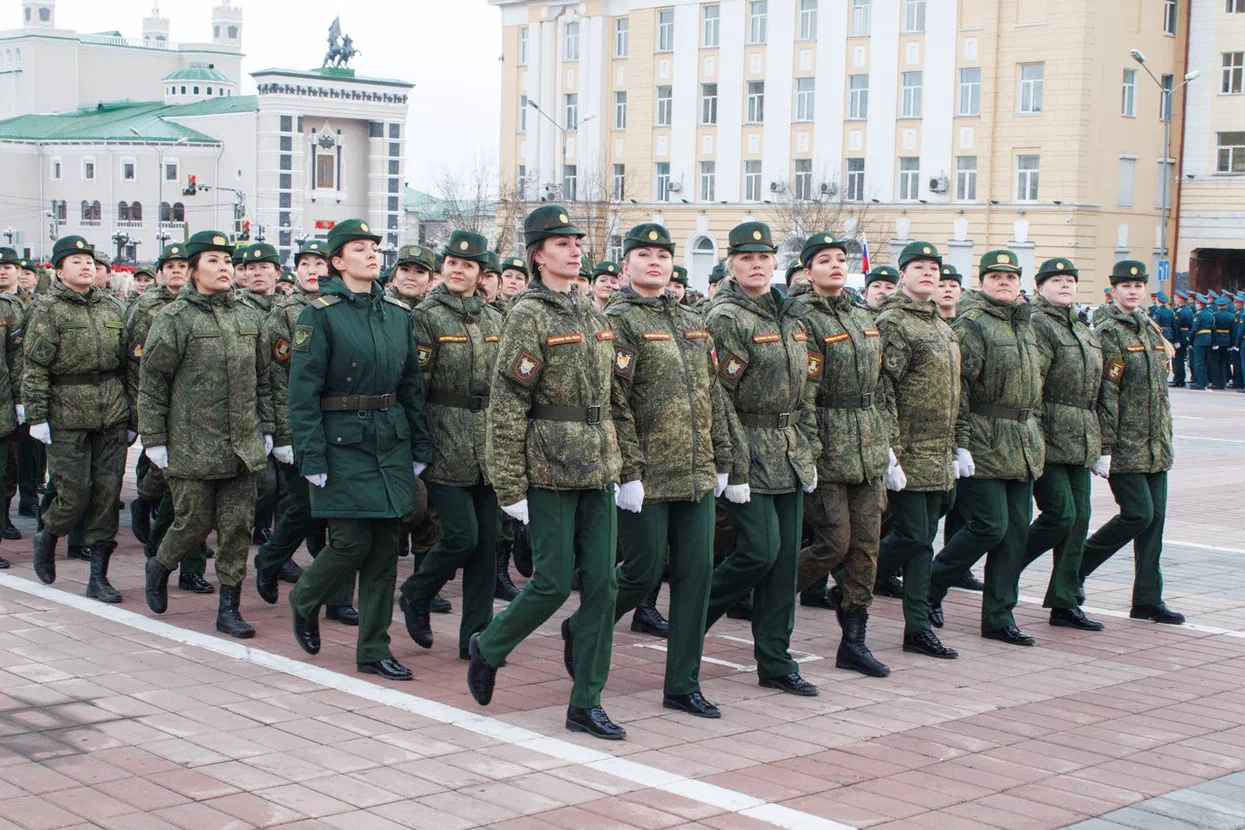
{"x":113,"y":40}
{"x":91,"y":223}
{"x":131,"y":224}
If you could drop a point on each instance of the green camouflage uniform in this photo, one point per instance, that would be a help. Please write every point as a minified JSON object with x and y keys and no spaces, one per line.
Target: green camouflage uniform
{"x":266,"y":483}
{"x":13,"y":319}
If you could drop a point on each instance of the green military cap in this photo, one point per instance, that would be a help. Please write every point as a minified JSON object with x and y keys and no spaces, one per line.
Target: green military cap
{"x":101,"y":257}
{"x":819,"y":242}
{"x":919,"y":250}
{"x":999,"y":260}
{"x":882,"y":272}
{"x":174,"y":250}
{"x":585,"y":267}
{"x":385,"y":275}
{"x":238,"y":255}
{"x":679,"y":275}
{"x":438,"y":260}
{"x":492,"y":263}
{"x":468,"y":245}
{"x":205,"y":241}
{"x":416,"y":255}
{"x":146,"y":268}
{"x":750,"y":236}
{"x":514,"y":263}
{"x":69,"y":245}
{"x":27,"y":265}
{"x":287,"y":276}
{"x":796,"y":265}
{"x":605,"y":267}
{"x":262,"y":252}
{"x":349,"y":231}
{"x":1054,"y":267}
{"x":718,"y":273}
{"x":8,"y":256}
{"x":319,"y":247}
{"x":648,"y":235}
{"x":949,"y":272}
{"x":1129,"y":269}
{"x":547,"y":221}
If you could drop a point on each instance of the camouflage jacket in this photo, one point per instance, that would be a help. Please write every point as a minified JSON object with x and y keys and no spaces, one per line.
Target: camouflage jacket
{"x":11,"y":332}
{"x":556,"y":350}
{"x":1001,"y":383}
{"x":277,"y":336}
{"x":1133,"y":407}
{"x":845,"y":362}
{"x":138,"y":325}
{"x":763,"y":366}
{"x":669,"y":411}
{"x":263,"y":303}
{"x":204,"y":389}
{"x":457,"y":341}
{"x":921,"y":362}
{"x":1071,"y":363}
{"x":69,"y":336}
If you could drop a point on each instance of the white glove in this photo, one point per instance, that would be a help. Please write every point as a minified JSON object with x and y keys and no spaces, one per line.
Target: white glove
{"x":157,"y":455}
{"x":130,"y":437}
{"x":738,"y":493}
{"x":895,"y":479}
{"x":720,"y":487}
{"x":41,"y":433}
{"x":964,"y":460}
{"x":630,"y":496}
{"x":1214,"y":348}
{"x":811,"y":487}
{"x":419,"y":468}
{"x":518,"y":510}
{"x":1102,"y":467}
{"x":267,"y":445}
{"x":284,"y":454}
{"x":319,"y":479}
{"x":21,"y":414}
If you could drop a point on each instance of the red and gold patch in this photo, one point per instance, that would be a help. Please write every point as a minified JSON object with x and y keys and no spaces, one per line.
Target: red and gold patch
{"x":696,"y":334}
{"x":525,"y":367}
{"x":563,"y":339}
{"x":453,"y":338}
{"x":656,"y":335}
{"x":425,"y":353}
{"x":814,"y":365}
{"x":799,"y":336}
{"x":1115,"y":369}
{"x":837,"y":338}
{"x":733,"y":367}
{"x":603,"y":336}
{"x":767,"y":338}
{"x":624,"y":360}
{"x":1138,"y":348}
{"x":280,"y":350}
{"x":872,"y":333}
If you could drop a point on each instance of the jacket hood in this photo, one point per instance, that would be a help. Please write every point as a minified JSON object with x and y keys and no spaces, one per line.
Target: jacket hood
{"x":767,"y":305}
{"x":803,"y":294}
{"x":466,"y":307}
{"x":1015,"y":310}
{"x":206,"y":301}
{"x":902,"y":301}
{"x":537,"y":290}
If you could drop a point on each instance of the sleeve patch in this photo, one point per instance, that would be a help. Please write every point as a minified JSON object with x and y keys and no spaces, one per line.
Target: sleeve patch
{"x":1115,"y":369}
{"x":453,"y":338}
{"x":42,"y":351}
{"x":425,"y":354}
{"x":280,"y":350}
{"x":302,"y":338}
{"x":814,"y":365}
{"x":837,"y":338}
{"x":733,"y":367}
{"x":562,"y":340}
{"x":656,"y":335}
{"x":799,"y":336}
{"x":696,"y":334}
{"x":492,"y":338}
{"x":872,"y":333}
{"x":525,"y":366}
{"x":1138,"y":348}
{"x":767,"y":338}
{"x":607,"y":334}
{"x":624,"y":361}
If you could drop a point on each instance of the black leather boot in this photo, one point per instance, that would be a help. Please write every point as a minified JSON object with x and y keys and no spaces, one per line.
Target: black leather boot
{"x":10,"y":531}
{"x":140,"y":519}
{"x":290,"y":572}
{"x":45,"y":557}
{"x":98,"y":587}
{"x":522,"y":551}
{"x":157,"y":585}
{"x":79,"y":552}
{"x":503,"y":588}
{"x":853,"y":653}
{"x":228,"y":620}
{"x":742,"y":609}
{"x":440,"y":605}
{"x":648,"y":620}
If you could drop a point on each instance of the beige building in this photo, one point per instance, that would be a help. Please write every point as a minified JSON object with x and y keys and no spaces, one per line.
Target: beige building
{"x":971,"y":123}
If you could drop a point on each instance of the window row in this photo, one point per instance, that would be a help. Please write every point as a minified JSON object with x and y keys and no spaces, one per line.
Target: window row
{"x":92,"y":211}
{"x":194,"y":90}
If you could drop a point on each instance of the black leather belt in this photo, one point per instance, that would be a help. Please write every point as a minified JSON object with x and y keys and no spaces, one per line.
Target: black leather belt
{"x":84,"y":379}
{"x":768,"y":420}
{"x":356,"y":403}
{"x":1075,"y":403}
{"x":1004,"y":412}
{"x":865,"y":401}
{"x":591,"y":415}
{"x":472,"y":403}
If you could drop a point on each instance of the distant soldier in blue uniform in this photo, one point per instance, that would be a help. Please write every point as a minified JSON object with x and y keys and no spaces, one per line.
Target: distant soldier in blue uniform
{"x":1203,"y":329}
{"x":1164,"y":317}
{"x":1238,"y":340}
{"x":1221,"y":341}
{"x":1184,"y":333}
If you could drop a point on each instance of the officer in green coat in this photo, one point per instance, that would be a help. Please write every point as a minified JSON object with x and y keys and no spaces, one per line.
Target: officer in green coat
{"x":456,"y":335}
{"x":1071,"y":361}
{"x":357,"y":417}
{"x":1136,"y":421}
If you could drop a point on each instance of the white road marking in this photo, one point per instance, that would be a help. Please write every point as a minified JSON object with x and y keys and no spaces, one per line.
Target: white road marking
{"x":1123,"y":615}
{"x":1218,"y":440}
{"x":714,"y":660}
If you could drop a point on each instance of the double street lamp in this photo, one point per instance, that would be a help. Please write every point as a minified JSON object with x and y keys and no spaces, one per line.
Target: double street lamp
{"x":565,"y":140}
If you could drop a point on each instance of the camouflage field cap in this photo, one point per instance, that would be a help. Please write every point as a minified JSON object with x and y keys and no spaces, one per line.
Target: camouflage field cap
{"x":886,"y":273}
{"x":172,"y":251}
{"x":145,"y":268}
{"x":102,"y":258}
{"x":238,"y":255}
{"x":1127,"y":270}
{"x":1054,"y":267}
{"x":605,"y":267}
{"x":8,"y":256}
{"x":949,"y":272}
{"x":648,"y":235}
{"x":349,"y":231}
{"x":514,"y":263}
{"x":751,"y":236}
{"x":918,"y":250}
{"x":547,"y":221}
{"x":999,"y":260}
{"x":288,"y":278}
{"x":262,"y":252}
{"x":679,"y":275}
{"x":318,"y":247}
{"x":416,"y":255}
{"x":819,"y":242}
{"x":718,"y":273}
{"x":69,"y":245}
{"x":204,"y":241}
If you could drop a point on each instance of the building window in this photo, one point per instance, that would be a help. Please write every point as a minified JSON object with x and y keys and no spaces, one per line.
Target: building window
{"x":756,"y":102}
{"x":56,"y":170}
{"x":196,"y":90}
{"x":620,"y":182}
{"x":758,"y":21}
{"x":970,"y":91}
{"x":287,"y":143}
{"x":170,"y":171}
{"x":661,"y":180}
{"x":286,"y":181}
{"x":909,"y":178}
{"x":1125,"y":184}
{"x":713,"y":20}
{"x":395,"y":130}
{"x":123,"y":212}
{"x":620,"y":110}
{"x":1128,"y":94}
{"x":1027,"y":167}
{"x":286,"y":162}
{"x":183,"y":89}
{"x":1233,"y":70}
{"x":808,"y":19}
{"x":326,"y":167}
{"x":88,"y":170}
{"x":522,"y":46}
{"x":375,"y":129}
{"x":571,"y":50}
{"x":166,"y":213}
{"x":803,"y":179}
{"x":570,"y":182}
{"x":127,"y":171}
{"x":805,"y":97}
{"x":622,"y":37}
{"x":1234,"y":6}
{"x":209,"y":90}
{"x":392,"y":202}
{"x":179,"y":212}
{"x":911,"y":95}
{"x":1169,"y":17}
{"x":284,"y":199}
{"x":914,"y":15}
{"x":665,"y":106}
{"x":520,"y":183}
{"x":966,"y":178}
{"x":1231,"y":148}
{"x":855,"y":179}
{"x":394,"y":184}
{"x":1165,"y":98}
{"x":665,"y":30}
{"x":708,"y":181}
{"x":1031,"y":77}
{"x":861,"y":12}
{"x":571,"y":122}
{"x":1164,"y":181}
{"x":858,"y":97}
{"x":708,"y":104}
{"x":522,"y":113}
{"x":752,"y":181}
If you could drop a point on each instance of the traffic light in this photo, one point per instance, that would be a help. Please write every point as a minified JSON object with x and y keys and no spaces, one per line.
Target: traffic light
{"x":242,"y":230}
{"x":192,"y":185}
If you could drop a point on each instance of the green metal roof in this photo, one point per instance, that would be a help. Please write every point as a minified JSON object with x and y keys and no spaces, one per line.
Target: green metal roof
{"x":124,"y":121}
{"x":333,"y":73}
{"x":198,"y":73}
{"x":424,"y":205}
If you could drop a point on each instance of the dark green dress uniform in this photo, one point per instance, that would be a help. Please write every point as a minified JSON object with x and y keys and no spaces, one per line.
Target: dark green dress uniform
{"x":763,"y":366}
{"x":1183,"y":333}
{"x":1221,"y":342}
{"x":1071,"y":361}
{"x":1202,"y":339}
{"x":74,"y":381}
{"x":1135,"y":416}
{"x":1001,"y":383}
{"x":457,"y":340}
{"x":357,"y":416}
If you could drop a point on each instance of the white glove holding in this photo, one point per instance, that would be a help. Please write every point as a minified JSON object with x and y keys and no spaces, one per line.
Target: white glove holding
{"x":156,"y":455}
{"x":41,"y":433}
{"x":1102,"y":467}
{"x":319,"y":479}
{"x":964,"y":459}
{"x":518,"y":510}
{"x":1214,"y":348}
{"x":720,"y":487}
{"x":419,"y":468}
{"x":130,"y":437}
{"x":284,"y":454}
{"x":21,"y":414}
{"x":630,"y":496}
{"x":895,"y":479}
{"x":811,"y":487}
{"x":267,"y":445}
{"x":738,"y":493}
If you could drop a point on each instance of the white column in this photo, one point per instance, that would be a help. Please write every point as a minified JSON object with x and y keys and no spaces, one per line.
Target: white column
{"x":883,"y":101}
{"x":730,"y":101}
{"x":685,"y":80}
{"x":938,"y":104}
{"x":550,"y":101}
{"x":779,"y":93}
{"x":594,"y":50}
{"x":831,"y":95}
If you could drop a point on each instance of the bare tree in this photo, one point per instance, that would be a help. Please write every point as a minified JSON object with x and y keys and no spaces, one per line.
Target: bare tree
{"x":601,"y":210}
{"x":467,"y":201}
{"x":804,"y":209}
{"x":512,"y":206}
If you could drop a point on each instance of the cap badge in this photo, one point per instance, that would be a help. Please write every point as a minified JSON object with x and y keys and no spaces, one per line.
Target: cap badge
{"x":80,"y":244}
{"x":462,"y":246}
{"x":1004,"y":259}
{"x":756,"y":235}
{"x":1059,"y":266}
{"x":1133,"y":270}
{"x":652,"y":235}
{"x":926,"y":250}
{"x":563,"y":218}
{"x":363,"y":227}
{"x":829,"y":239}
{"x":218,"y":240}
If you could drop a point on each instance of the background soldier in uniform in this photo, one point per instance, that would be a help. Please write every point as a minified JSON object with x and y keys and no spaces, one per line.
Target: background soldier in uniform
{"x":1183,"y":331}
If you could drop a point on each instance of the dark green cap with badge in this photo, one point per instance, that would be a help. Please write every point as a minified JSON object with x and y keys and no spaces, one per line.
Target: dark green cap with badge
{"x":882,"y":272}
{"x":750,"y":236}
{"x":514,"y":263}
{"x":8,"y":256}
{"x":319,"y":247}
{"x":172,"y":251}
{"x":919,"y":250}
{"x":205,"y":241}
{"x":238,"y":255}
{"x":288,"y":278}
{"x":69,"y":245}
{"x":949,"y":272}
{"x":547,"y":221}
{"x":585,"y":267}
{"x":648,"y":235}
{"x":27,"y":265}
{"x":819,"y":242}
{"x":492,"y":263}
{"x":999,"y":260}
{"x":349,"y":231}
{"x":796,"y":265}
{"x":1127,"y":270}
{"x":605,"y":267}
{"x":101,"y":257}
{"x":262,"y":252}
{"x":679,"y":275}
{"x":468,"y":245}
{"x":718,"y":273}
{"x":1054,"y":267}
{"x":416,"y":255}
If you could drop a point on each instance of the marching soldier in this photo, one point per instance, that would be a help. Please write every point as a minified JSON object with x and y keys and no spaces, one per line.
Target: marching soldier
{"x":1183,"y":331}
{"x":1203,"y":336}
{"x":1221,"y":342}
{"x":880,"y":282}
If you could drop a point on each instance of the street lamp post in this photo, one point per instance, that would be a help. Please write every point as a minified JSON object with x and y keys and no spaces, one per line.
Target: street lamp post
{"x":565,"y":137}
{"x":162,"y":235}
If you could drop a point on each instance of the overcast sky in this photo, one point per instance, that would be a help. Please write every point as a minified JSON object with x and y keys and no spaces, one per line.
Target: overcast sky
{"x":448,"y":48}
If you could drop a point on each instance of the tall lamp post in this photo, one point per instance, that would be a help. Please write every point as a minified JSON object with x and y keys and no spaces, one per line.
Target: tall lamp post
{"x":565,"y":137}
{"x":1168,"y":96}
{"x":162,"y":236}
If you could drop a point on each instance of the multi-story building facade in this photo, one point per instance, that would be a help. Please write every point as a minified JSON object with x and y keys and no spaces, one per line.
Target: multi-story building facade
{"x":972,"y":123}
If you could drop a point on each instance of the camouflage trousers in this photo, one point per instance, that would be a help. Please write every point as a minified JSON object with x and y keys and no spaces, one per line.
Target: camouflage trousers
{"x":87,"y":468}
{"x":846,"y":521}
{"x":227,"y":504}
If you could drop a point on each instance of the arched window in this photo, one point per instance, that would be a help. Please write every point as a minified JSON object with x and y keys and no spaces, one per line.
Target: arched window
{"x":233,"y":32}
{"x":86,"y":210}
{"x":123,"y":212}
{"x":196,"y":90}
{"x":209,"y":90}
{"x":17,"y":59}
{"x":97,"y":212}
{"x":179,"y":212}
{"x":136,"y":212}
{"x":704,"y":244}
{"x":165,"y":212}
{"x":183,"y":89}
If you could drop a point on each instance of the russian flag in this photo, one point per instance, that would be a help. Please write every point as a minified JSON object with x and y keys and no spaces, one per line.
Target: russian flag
{"x":864,"y":254}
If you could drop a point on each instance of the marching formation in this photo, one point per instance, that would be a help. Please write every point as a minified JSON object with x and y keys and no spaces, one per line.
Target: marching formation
{"x":605,"y":427}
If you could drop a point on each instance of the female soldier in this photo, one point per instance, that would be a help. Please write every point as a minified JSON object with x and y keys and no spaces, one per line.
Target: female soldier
{"x":205,"y":415}
{"x":357,"y":416}
{"x":554,"y":458}
{"x":763,"y":358}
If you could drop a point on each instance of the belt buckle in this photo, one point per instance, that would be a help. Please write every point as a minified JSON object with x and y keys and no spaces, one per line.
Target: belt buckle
{"x":784,"y":420}
{"x":1024,"y":415}
{"x":385,"y":400}
{"x":96,"y":379}
{"x":594,"y":414}
{"x":476,"y":404}
{"x":866,"y":400}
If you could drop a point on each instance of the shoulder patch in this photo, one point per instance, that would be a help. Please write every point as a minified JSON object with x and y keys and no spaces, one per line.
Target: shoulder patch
{"x":280,"y":350}
{"x":799,"y":336}
{"x":325,"y":302}
{"x":425,"y":354}
{"x":1115,"y":370}
{"x":624,"y":360}
{"x":525,"y":366}
{"x":302,"y":338}
{"x":399,"y":303}
{"x":773,"y":337}
{"x":814,"y":365}
{"x":733,"y":366}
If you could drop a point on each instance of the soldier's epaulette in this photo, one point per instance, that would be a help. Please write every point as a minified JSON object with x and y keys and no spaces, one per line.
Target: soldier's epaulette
{"x":973,"y":313}
{"x":399,"y":303}
{"x":325,"y":302}
{"x":174,"y":308}
{"x":617,"y":309}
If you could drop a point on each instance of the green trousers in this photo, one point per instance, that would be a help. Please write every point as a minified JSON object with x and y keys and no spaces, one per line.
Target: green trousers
{"x":567,"y":529}
{"x":88,"y":467}
{"x":77,"y":535}
{"x":193,"y":563}
{"x":996,"y":525}
{"x":909,"y":547}
{"x":766,"y":561}
{"x":469,"y":527}
{"x":685,"y":528}
{"x":366,"y":546}
{"x":199,"y":505}
{"x":1142,"y":498}
{"x":1063,"y":496}
{"x":846,"y":520}
{"x":295,"y":525}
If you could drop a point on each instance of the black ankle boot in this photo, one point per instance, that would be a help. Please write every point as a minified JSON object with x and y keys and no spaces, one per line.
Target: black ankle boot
{"x":504,"y":588}
{"x":853,"y":653}
{"x":45,"y":557}
{"x":98,"y":587}
{"x":228,"y":620}
{"x":648,"y":620}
